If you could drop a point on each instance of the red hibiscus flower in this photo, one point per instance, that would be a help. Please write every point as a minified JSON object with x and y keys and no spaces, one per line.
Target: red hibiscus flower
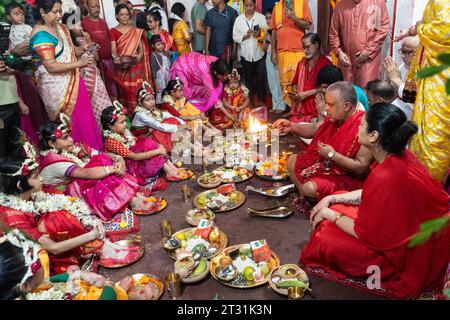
{"x":25,"y":170}
{"x":58,"y":133}
{"x":80,"y":154}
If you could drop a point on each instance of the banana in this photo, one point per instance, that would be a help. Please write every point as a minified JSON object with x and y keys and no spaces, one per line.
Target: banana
{"x":200,"y":268}
{"x":291,"y":283}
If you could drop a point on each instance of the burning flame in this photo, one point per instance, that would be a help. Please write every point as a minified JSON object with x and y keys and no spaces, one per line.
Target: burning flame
{"x":255,"y":126}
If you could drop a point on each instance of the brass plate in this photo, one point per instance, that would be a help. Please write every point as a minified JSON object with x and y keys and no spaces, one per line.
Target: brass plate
{"x":302,"y":276}
{"x":274,"y":262}
{"x":156,"y":280}
{"x":237,"y":178}
{"x":222,"y":245}
{"x":240,"y":201}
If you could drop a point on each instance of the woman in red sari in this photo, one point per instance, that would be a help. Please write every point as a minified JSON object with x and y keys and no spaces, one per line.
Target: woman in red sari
{"x":131,"y":56}
{"x":304,"y":109}
{"x":370,"y":228}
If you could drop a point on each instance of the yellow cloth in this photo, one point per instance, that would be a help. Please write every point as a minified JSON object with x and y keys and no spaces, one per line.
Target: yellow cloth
{"x":186,"y":109}
{"x":431,"y":112}
{"x":241,"y":5}
{"x":297,"y":5}
{"x":287,"y":65}
{"x":88,"y":292}
{"x":45,"y":262}
{"x":182,"y":37}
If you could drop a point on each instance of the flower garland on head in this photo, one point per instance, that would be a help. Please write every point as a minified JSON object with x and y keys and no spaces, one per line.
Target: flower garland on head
{"x":30,"y":252}
{"x":45,"y":202}
{"x":30,"y":162}
{"x":155,"y":113}
{"x":77,"y":155}
{"x":127,"y":138}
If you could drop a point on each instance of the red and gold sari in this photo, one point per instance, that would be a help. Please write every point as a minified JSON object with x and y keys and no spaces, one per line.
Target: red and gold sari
{"x":344,"y":140}
{"x":57,"y":225}
{"x":236,"y":99}
{"x":131,"y":79}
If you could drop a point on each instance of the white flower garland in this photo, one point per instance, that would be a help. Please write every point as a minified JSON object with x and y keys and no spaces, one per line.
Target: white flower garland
{"x":169,"y":99}
{"x":45,"y":202}
{"x":128,"y":140}
{"x":155,"y":114}
{"x":58,"y":291}
{"x":69,"y":155}
{"x":16,"y":203}
{"x":230,"y":91}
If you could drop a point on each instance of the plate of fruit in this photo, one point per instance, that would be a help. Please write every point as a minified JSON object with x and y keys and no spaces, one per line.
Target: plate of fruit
{"x":194,"y":216}
{"x":209,"y":180}
{"x":191,"y":270}
{"x":204,"y":241}
{"x":286,"y":276}
{"x":244,"y":265}
{"x":273,"y":170}
{"x":220,"y":199}
{"x":158,"y":204}
{"x":234,"y":174}
{"x":142,"y":286}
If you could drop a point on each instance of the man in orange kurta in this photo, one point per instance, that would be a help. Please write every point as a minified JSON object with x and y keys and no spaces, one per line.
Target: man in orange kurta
{"x":357,"y":32}
{"x":290,"y":20}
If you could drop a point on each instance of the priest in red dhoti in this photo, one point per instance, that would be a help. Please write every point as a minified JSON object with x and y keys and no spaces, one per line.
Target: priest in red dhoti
{"x":357,"y":32}
{"x":364,"y":234}
{"x":334,"y":160}
{"x":304,"y":82}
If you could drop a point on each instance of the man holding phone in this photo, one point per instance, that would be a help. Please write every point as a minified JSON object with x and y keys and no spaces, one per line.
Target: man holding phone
{"x":248,"y":33}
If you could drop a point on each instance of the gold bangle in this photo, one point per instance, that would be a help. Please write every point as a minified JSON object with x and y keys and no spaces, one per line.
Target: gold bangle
{"x":337,"y":218}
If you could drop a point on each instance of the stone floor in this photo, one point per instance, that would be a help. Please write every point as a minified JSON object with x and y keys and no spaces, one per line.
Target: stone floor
{"x":285,"y":236}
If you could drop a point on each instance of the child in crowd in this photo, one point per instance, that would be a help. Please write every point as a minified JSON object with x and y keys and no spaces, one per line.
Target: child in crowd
{"x":149,"y":119}
{"x":160,"y":62}
{"x":175,"y":102}
{"x":144,"y":157}
{"x":273,"y":77}
{"x":234,"y":110}
{"x":20,"y":32}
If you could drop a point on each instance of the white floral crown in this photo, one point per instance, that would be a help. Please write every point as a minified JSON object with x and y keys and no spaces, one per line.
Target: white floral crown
{"x":30,"y":162}
{"x":118,"y":110}
{"x":30,"y":252}
{"x":178,"y":84}
{"x":147,"y":89}
{"x":234,"y":75}
{"x":64,"y":127}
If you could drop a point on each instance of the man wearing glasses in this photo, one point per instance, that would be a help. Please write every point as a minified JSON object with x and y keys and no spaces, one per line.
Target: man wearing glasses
{"x":397,"y":75}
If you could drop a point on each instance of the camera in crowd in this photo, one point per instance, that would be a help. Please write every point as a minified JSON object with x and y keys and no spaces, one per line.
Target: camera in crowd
{"x":10,"y":59}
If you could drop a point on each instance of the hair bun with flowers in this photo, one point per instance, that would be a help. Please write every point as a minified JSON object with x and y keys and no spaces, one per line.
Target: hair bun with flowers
{"x":145,"y":91}
{"x":179,"y":83}
{"x":119,"y":109}
{"x":30,"y":251}
{"x":30,"y":162}
{"x":234,"y":75}
{"x":64,"y":127}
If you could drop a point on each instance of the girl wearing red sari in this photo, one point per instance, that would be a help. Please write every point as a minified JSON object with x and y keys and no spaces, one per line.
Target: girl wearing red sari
{"x":63,"y":234}
{"x":131,"y":56}
{"x":143,"y":156}
{"x":373,"y":226}
{"x":234,"y":110}
{"x":80,"y":171}
{"x":304,"y":109}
